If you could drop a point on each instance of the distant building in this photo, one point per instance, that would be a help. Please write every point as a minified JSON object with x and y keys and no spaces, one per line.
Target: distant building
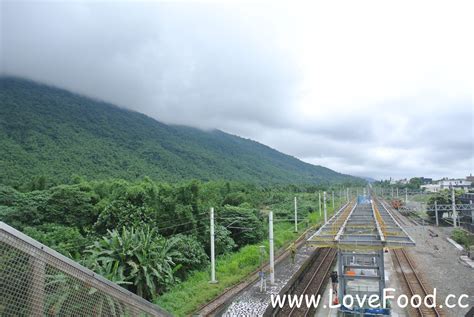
{"x":426,"y":180}
{"x":432,"y":188}
{"x":467,"y":198}
{"x":447,"y":184}
{"x":467,"y":217}
{"x":456,"y":183}
{"x":403,"y":181}
{"x":470,"y":178}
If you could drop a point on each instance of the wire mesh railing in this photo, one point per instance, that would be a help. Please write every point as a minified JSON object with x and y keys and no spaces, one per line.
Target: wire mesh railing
{"x":37,"y":281}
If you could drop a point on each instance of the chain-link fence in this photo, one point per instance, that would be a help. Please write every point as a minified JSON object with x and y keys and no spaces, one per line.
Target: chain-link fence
{"x":37,"y":281}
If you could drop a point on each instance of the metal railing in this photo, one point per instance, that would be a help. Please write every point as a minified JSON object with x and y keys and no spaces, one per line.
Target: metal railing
{"x":37,"y":281}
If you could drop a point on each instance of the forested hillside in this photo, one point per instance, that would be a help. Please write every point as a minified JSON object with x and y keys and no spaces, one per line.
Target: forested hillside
{"x":51,"y":134}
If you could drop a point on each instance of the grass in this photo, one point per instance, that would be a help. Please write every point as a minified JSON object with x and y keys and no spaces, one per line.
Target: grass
{"x":421,"y":198}
{"x":186,"y":297}
{"x":463,"y":237}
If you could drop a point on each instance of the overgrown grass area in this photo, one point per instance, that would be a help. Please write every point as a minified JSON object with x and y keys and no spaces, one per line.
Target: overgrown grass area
{"x":185,"y":298}
{"x":463,"y":237}
{"x":420,"y":198}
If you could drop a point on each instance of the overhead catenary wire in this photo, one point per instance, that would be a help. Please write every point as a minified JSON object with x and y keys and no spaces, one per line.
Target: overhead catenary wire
{"x":203,"y":216}
{"x":182,"y":218}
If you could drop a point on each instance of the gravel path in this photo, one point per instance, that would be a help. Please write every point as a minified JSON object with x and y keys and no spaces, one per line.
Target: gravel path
{"x":252,"y":302}
{"x":441,"y":266}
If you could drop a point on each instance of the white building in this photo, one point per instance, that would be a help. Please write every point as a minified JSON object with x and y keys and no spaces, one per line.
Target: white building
{"x":431,"y":188}
{"x":456,"y":183}
{"x":447,"y":184}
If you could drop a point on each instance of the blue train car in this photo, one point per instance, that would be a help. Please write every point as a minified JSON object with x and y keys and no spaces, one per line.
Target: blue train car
{"x":363,"y":199}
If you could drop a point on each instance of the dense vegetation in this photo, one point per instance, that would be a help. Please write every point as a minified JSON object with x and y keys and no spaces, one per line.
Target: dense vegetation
{"x":149,"y":236}
{"x":55,"y":133}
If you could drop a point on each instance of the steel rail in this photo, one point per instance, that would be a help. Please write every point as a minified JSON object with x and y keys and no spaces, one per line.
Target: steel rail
{"x":328,"y":259}
{"x":423,"y":313}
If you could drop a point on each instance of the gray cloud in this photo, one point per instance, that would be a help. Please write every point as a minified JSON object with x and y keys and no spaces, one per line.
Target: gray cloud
{"x":182,"y":63}
{"x":237,"y":67}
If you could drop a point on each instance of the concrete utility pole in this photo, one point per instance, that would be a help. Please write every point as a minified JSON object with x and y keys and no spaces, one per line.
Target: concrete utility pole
{"x":333,"y":201}
{"x":325,"y":209}
{"x":406,"y":196}
{"x":320,"y":210}
{"x":347,"y":194}
{"x":263,"y":286}
{"x":296,"y":216}
{"x":472,"y":211}
{"x":392,"y":192}
{"x":397,"y":192}
{"x":213,"y":259}
{"x":270,"y":239}
{"x":455,"y":216}
{"x":436,"y":213}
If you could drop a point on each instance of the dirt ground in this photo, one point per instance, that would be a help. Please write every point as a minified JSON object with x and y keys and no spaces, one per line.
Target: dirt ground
{"x":442,"y":269}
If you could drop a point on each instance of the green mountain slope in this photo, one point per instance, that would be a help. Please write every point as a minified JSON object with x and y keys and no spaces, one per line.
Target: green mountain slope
{"x":53,"y":132}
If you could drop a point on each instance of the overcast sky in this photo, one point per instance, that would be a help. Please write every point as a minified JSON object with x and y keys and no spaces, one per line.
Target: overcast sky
{"x":370,"y":88}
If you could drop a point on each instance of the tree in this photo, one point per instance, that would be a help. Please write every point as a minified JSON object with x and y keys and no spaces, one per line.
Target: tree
{"x":415,"y":183}
{"x":243,"y":223}
{"x":65,"y":240}
{"x":122,"y":213}
{"x":223,"y":240}
{"x":192,"y":255}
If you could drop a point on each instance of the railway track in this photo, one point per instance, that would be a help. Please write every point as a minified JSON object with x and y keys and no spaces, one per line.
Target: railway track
{"x":313,"y":282}
{"x":414,"y":283}
{"x":213,"y":307}
{"x":401,"y":219}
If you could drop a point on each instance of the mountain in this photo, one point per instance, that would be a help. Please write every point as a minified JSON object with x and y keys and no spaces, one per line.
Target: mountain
{"x":369,"y":179}
{"x":56,"y":133}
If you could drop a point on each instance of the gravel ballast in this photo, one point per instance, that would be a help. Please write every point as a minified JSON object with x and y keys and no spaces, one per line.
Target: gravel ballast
{"x":441,"y":267}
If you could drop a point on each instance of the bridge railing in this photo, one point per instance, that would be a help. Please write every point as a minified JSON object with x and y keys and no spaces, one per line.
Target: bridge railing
{"x":37,"y":281}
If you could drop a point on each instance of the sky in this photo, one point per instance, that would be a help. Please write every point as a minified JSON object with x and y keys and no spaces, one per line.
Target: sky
{"x":369,"y":88}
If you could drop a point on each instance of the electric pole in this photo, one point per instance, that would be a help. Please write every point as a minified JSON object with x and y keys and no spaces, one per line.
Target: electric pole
{"x":320,"y":210}
{"x":325,"y":208}
{"x":296,"y":216}
{"x":270,"y":238}
{"x":333,"y":201}
{"x":213,"y":259}
{"x":453,"y":198}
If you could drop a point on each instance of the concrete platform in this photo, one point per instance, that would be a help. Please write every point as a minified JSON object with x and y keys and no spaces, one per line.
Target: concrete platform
{"x":467,"y":260}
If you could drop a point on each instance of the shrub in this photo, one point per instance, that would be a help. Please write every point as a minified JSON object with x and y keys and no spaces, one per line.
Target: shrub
{"x":192,"y":255}
{"x":65,"y":240}
{"x":462,"y":237}
{"x":140,"y":259}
